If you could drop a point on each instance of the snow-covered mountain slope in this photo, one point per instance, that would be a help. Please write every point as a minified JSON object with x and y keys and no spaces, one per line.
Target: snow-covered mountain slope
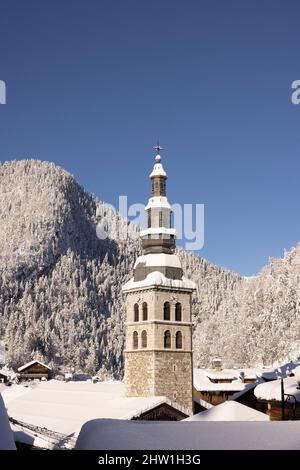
{"x":260,"y":322}
{"x":60,"y":286}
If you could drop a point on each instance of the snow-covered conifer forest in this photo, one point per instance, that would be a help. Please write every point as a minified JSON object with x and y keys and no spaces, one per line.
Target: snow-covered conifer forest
{"x":60,"y":286}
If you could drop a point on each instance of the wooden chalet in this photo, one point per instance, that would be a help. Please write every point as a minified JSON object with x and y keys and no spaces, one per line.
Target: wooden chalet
{"x":34,"y":370}
{"x":3,"y":378}
{"x":215,"y":395}
{"x":214,"y":387}
{"x":162,"y":412}
{"x":280,"y":399}
{"x":273,"y":409}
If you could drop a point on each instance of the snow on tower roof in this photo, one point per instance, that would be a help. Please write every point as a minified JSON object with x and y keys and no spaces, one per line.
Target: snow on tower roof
{"x":229,"y":411}
{"x":6,"y":435}
{"x":159,"y":259}
{"x":63,"y":408}
{"x":158,"y":169}
{"x":156,"y":278}
{"x":160,"y":202}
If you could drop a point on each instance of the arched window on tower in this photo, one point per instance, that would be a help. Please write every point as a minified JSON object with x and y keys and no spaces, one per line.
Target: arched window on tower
{"x":167,"y":339}
{"x":178,"y":315}
{"x":135,"y":340}
{"x":136,"y":312}
{"x":178,"y":340}
{"x":144,"y":339}
{"x":145,"y":311}
{"x":167,"y":310}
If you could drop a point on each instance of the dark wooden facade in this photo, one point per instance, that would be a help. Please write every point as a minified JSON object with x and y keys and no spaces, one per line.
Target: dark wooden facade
{"x":34,"y":371}
{"x":250,"y":380}
{"x":163,"y":412}
{"x":214,"y":397}
{"x":3,"y":378}
{"x":249,"y":399}
{"x":274,"y":411}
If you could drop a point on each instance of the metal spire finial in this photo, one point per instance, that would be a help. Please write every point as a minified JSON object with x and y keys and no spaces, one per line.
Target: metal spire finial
{"x":158,"y":148}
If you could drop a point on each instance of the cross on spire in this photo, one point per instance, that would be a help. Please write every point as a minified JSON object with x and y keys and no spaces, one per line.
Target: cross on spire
{"x":158,"y":148}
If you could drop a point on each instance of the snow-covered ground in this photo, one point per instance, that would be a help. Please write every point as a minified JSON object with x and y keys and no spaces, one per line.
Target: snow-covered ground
{"x":229,"y":411}
{"x":6,"y":435}
{"x":63,"y":407}
{"x":170,"y":435}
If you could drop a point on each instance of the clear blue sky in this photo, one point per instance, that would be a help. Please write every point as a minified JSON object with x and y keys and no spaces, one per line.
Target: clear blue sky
{"x":92,"y":84}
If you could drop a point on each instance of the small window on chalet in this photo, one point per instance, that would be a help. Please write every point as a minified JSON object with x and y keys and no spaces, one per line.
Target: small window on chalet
{"x":144,"y":339}
{"x":178,"y":309}
{"x":136,"y":312}
{"x":135,"y":340}
{"x":167,"y":339}
{"x":145,"y":311}
{"x":178,"y":340}
{"x":167,"y":311}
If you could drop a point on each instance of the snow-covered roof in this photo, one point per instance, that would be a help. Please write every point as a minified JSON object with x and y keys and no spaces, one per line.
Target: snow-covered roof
{"x":159,"y":259}
{"x":221,"y":375}
{"x":272,"y":390}
{"x":282,"y":369}
{"x":229,"y":411}
{"x":234,"y":373}
{"x":158,"y":169}
{"x":6,"y":435}
{"x":156,"y":278}
{"x":140,"y":435}
{"x":159,"y":202}
{"x":63,"y":407}
{"x":202,"y":378}
{"x":31,"y":364}
{"x":202,"y":383}
{"x":3,"y":372}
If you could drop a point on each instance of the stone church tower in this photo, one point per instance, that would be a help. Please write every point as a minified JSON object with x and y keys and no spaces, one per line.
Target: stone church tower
{"x":158,"y":354}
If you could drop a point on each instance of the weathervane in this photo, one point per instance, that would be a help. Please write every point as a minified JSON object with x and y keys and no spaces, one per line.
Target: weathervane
{"x":158,"y":148}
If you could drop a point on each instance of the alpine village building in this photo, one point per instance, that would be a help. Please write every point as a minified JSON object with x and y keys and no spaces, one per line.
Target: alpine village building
{"x":158,"y":354}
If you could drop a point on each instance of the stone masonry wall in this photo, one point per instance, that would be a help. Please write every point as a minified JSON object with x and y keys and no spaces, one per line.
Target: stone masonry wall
{"x":173,"y":376}
{"x":139,"y":374}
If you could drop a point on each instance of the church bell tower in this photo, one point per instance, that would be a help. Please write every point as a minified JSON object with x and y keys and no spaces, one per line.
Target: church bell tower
{"x":158,"y":354}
